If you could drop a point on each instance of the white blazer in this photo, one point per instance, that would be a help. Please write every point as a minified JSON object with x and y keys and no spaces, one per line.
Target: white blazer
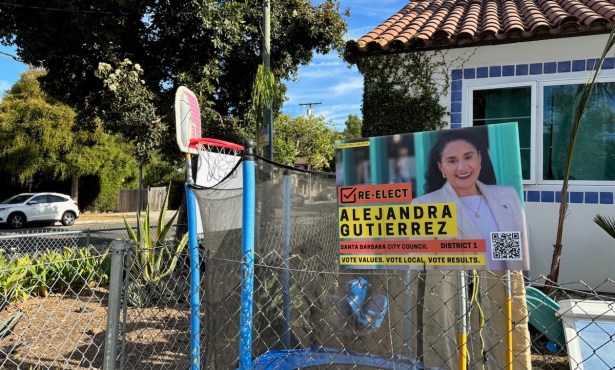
{"x":505,"y":206}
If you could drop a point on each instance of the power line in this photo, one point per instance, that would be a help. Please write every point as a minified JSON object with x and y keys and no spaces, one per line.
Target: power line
{"x":75,"y":10}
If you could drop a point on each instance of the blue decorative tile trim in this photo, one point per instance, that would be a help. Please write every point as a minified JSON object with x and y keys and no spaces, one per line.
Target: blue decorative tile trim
{"x":456,"y":107}
{"x":578,"y":65}
{"x":591,"y":197}
{"x":508,"y":70}
{"x":495,"y":71}
{"x":609,"y":63}
{"x":533,"y":196}
{"x":606,"y":198}
{"x":521,"y":70}
{"x":469,"y":73}
{"x":576,"y":197}
{"x":536,"y":68}
{"x":591,"y":64}
{"x":457,"y":74}
{"x":550,"y":67}
{"x":558,"y":197}
{"x":456,"y":96}
{"x":547,"y":196}
{"x":563,"y":67}
{"x":456,"y":85}
{"x":482,"y":72}
{"x":456,"y":118}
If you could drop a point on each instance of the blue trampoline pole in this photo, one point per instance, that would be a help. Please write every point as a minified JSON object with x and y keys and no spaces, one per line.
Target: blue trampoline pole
{"x":247,"y":266}
{"x":195,"y":302}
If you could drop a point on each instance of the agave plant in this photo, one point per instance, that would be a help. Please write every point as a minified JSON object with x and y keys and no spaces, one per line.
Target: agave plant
{"x":155,"y":258}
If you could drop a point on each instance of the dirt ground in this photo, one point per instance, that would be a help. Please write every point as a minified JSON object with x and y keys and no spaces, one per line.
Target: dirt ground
{"x":63,"y":332}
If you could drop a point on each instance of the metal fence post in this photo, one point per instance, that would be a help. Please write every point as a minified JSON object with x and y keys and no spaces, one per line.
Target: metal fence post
{"x":118,"y":251}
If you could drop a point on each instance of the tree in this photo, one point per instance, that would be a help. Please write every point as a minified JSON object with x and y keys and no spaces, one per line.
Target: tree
{"x":40,"y":139}
{"x":400,"y":94}
{"x":35,"y":133}
{"x":581,"y":105}
{"x":211,"y":46}
{"x":129,"y":108}
{"x":310,"y":138}
{"x":353,"y":127}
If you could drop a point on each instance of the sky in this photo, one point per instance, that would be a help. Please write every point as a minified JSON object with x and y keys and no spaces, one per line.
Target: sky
{"x":327,"y":79}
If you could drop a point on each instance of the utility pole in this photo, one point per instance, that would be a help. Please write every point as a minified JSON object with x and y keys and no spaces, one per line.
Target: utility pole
{"x":309,"y":109}
{"x":267,"y":113}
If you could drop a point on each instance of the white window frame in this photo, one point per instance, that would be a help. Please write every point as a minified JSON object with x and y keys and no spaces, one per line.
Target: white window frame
{"x":536,"y":82}
{"x":501,"y":83}
{"x":571,"y":312}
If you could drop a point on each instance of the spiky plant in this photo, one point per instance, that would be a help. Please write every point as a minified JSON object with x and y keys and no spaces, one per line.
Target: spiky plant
{"x":606,"y":223}
{"x":155,"y":259}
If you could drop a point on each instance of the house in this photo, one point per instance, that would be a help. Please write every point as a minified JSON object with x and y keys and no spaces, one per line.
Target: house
{"x":523,"y":61}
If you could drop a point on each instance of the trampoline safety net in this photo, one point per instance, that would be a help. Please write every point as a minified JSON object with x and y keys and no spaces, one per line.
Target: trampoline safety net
{"x":307,"y":311}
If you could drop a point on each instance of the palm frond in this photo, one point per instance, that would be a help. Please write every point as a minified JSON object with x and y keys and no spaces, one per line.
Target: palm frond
{"x":606,"y":223}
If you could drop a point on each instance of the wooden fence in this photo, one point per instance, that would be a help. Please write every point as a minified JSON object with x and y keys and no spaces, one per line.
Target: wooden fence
{"x":127,"y":199}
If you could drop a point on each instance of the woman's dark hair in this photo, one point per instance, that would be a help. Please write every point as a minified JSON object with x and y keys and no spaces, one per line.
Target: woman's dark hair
{"x":433,"y":176}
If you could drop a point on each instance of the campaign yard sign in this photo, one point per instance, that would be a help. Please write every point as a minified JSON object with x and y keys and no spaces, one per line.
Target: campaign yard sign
{"x":379,"y":226}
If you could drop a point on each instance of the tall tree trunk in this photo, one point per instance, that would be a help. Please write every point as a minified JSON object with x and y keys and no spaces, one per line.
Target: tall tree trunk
{"x":74,"y":188}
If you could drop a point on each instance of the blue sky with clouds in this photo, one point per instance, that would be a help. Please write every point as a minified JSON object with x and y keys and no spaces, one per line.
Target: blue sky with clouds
{"x":327,"y":80}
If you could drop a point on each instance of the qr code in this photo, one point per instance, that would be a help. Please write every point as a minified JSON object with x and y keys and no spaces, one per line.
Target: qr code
{"x":506,"y":246}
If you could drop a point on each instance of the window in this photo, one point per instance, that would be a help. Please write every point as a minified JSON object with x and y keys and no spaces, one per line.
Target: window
{"x":510,"y":104}
{"x":56,"y":199}
{"x":39,"y":199}
{"x":589,"y":327}
{"x":594,"y":152}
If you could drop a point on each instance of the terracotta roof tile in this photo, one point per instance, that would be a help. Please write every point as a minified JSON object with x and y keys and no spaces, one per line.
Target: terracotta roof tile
{"x":449,"y":23}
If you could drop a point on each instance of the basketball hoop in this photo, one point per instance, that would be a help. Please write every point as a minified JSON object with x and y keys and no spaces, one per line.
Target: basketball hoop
{"x":217,"y":160}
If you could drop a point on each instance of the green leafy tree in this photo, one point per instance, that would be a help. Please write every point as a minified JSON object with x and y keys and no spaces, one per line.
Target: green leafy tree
{"x":213,"y":47}
{"x":353,"y":127}
{"x":400,"y":94}
{"x":35,"y":132}
{"x":129,"y":107}
{"x":39,"y":138}
{"x":310,"y":138}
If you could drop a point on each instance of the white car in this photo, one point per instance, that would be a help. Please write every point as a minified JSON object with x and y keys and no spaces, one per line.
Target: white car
{"x":38,"y":207}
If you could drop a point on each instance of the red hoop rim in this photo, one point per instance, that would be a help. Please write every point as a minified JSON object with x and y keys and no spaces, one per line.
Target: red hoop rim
{"x":214,"y":142}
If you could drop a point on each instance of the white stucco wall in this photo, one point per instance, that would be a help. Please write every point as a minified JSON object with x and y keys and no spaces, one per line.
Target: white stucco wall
{"x":589,"y":252}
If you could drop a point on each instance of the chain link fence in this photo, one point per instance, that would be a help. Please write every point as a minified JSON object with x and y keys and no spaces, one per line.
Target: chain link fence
{"x":61,"y":307}
{"x":33,"y":242}
{"x":54,"y":297}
